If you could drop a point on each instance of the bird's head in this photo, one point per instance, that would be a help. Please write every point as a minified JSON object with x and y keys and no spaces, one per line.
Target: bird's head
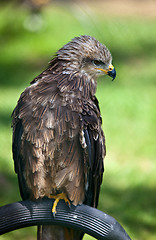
{"x":88,"y":56}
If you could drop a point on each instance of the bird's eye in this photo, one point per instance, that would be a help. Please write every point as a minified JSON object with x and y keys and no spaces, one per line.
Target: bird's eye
{"x":97,"y":62}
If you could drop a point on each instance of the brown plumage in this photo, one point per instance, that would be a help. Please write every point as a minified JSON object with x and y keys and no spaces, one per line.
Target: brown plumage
{"x":58,"y":143}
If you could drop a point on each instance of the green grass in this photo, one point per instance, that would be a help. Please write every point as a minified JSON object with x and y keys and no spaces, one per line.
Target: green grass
{"x":128,"y":106}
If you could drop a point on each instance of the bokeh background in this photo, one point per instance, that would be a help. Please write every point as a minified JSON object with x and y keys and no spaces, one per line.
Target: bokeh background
{"x":30,"y":33}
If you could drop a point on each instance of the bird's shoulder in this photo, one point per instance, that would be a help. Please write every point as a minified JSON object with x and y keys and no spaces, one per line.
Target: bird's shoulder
{"x":56,"y":104}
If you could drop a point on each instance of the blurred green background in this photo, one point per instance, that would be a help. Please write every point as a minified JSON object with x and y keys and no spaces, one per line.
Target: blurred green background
{"x":29,"y":36}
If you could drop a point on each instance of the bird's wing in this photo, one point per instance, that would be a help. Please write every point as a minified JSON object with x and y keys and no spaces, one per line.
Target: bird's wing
{"x":95,"y":141}
{"x":19,"y":161}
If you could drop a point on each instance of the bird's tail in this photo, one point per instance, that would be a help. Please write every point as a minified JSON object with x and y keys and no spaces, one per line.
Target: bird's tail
{"x":39,"y":233}
{"x":51,"y":232}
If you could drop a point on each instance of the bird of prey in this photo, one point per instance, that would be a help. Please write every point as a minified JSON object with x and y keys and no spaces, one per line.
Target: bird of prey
{"x":58,"y":142}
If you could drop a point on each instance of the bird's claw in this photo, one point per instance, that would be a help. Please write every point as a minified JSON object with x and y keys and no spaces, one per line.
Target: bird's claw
{"x":57,"y":198}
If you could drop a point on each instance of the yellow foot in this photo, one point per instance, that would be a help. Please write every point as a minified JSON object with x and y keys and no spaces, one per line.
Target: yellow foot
{"x":57,"y":198}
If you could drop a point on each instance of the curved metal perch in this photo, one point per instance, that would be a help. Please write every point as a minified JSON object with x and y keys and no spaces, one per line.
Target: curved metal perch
{"x":87,"y":219}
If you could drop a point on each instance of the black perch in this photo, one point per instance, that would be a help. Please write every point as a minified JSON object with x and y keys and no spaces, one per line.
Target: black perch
{"x":82,"y":217}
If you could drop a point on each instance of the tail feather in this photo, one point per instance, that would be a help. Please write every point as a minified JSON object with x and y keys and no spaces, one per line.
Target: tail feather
{"x":39,"y":233}
{"x":52,"y":232}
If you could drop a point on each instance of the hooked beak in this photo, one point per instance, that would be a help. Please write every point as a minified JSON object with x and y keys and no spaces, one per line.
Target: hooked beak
{"x":110,"y":72}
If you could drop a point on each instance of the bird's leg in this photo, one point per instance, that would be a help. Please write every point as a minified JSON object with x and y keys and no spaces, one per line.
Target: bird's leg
{"x":57,"y":198}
